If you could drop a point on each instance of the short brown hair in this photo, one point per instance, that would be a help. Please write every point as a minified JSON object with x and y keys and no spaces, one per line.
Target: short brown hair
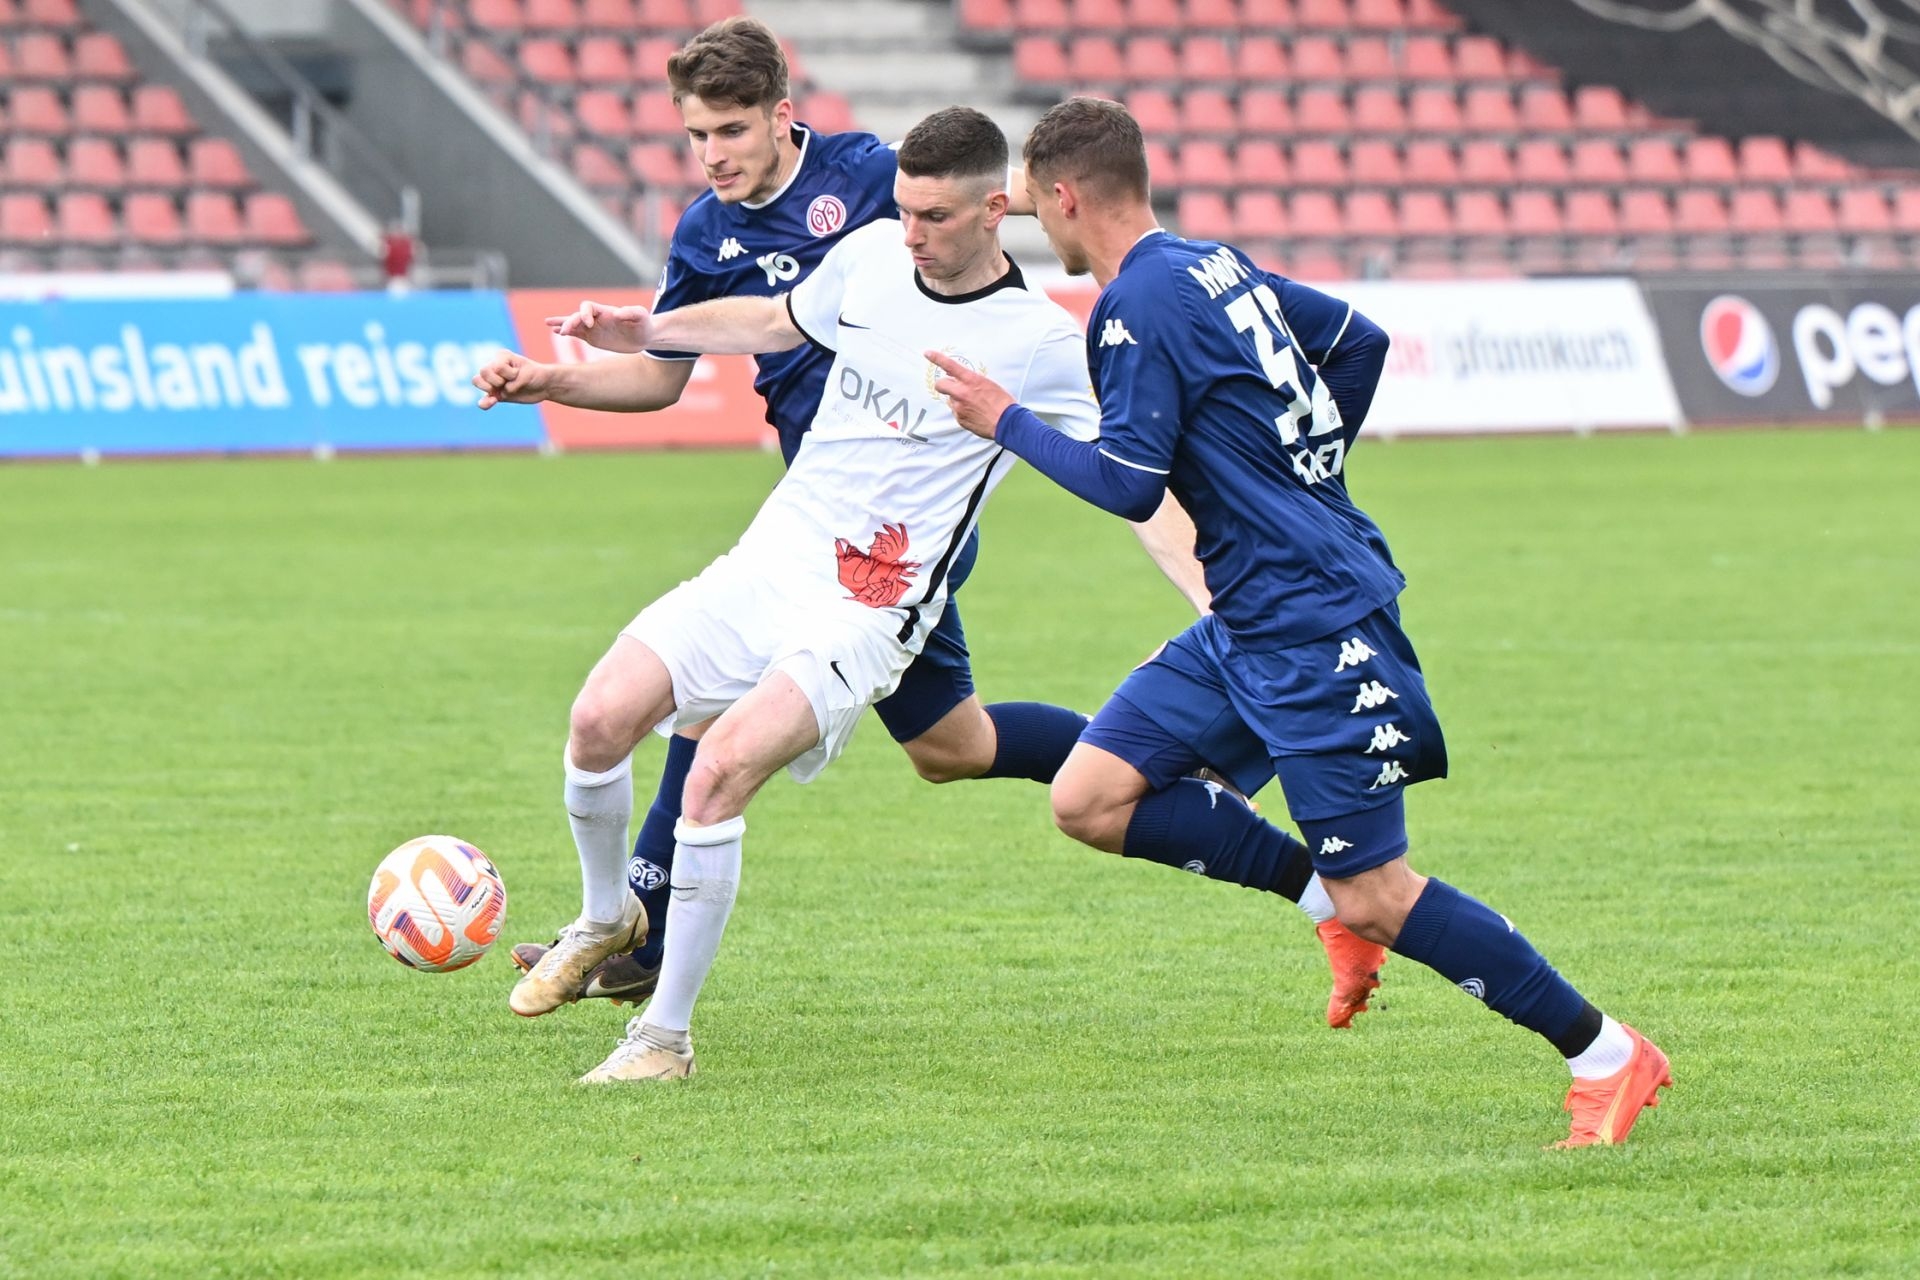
{"x":736,"y":62}
{"x":955,"y":142}
{"x":1093,"y":142}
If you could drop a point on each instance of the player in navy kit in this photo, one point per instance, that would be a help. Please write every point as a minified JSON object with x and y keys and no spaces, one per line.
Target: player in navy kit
{"x":1241,"y":393}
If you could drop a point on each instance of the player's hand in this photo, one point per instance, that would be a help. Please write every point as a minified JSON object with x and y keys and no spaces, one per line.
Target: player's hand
{"x":977,"y":400}
{"x":511,"y":378}
{"x":623,"y":330}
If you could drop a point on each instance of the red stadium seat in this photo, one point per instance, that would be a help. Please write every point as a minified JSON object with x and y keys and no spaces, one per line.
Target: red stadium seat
{"x":1765,"y":159}
{"x":1542,"y":162}
{"x":1865,"y":209}
{"x":100,"y":108}
{"x":1811,"y":164}
{"x":85,"y":217}
{"x":1318,"y":58}
{"x":1430,"y":15}
{"x":1489,"y":109}
{"x":1479,"y":58}
{"x":1041,"y":15}
{"x":1700,"y":210}
{"x":1756,"y":209}
{"x":41,"y":55}
{"x":327,"y":275}
{"x":1645,"y":213}
{"x":63,"y":14}
{"x":655,"y":116}
{"x":1207,"y":59}
{"x":1906,"y":209}
{"x":650,"y":58}
{"x":24,"y":218}
{"x":1160,"y":161}
{"x":548,"y":61}
{"x":214,"y":216}
{"x":153,"y":218}
{"x":1154,"y":15}
{"x":1259,"y":162}
{"x":1600,"y":107}
{"x":1331,"y":15}
{"x":1709,"y":160}
{"x":1313,"y":214}
{"x":708,"y":12}
{"x":98,"y":55}
{"x":1370,"y":213}
{"x":1431,"y":109}
{"x":1204,"y":163}
{"x":1479,"y":213}
{"x":1486,"y":162}
{"x":1378,"y":110}
{"x":1654,"y":161}
{"x":1597,"y":162}
{"x":1808,"y":209}
{"x":1371,"y":58}
{"x":1094,"y":60}
{"x":1097,"y":15}
{"x":1226,"y":15}
{"x":827,"y":112}
{"x":1544,"y":109}
{"x":1318,"y":164}
{"x":33,"y":108}
{"x":155,"y":162}
{"x":1427,"y":58}
{"x":32,"y":162}
{"x":1261,"y":59}
{"x":1375,"y":162}
{"x":655,"y":164}
{"x":597,"y":170}
{"x":1208,"y":111}
{"x":604,"y":60}
{"x":157,"y":109}
{"x":552,"y":15}
{"x":1266,"y":112}
{"x":669,"y":15}
{"x":1322,"y":111}
{"x":1151,"y":60}
{"x":1155,"y":111}
{"x":272,"y":219}
{"x":1379,"y":15}
{"x":484,"y":66}
{"x":1535,"y":213}
{"x":1591,"y":213}
{"x":1431,"y":162}
{"x":1203,"y":215}
{"x":96,"y":162}
{"x":603,"y":113}
{"x":1039,"y":60}
{"x":1425,"y":213}
{"x":217,"y":163}
{"x":608,"y":15}
{"x":1258,"y":215}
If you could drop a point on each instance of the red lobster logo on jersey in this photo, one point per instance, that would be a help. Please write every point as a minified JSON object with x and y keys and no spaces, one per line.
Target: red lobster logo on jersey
{"x":876,"y":577}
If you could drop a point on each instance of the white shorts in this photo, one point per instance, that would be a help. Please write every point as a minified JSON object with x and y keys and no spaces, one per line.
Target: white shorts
{"x":724,"y":631}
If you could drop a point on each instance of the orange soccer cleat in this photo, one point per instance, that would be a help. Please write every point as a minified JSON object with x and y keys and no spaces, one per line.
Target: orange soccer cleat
{"x":1604,"y":1110}
{"x":1356,"y":971}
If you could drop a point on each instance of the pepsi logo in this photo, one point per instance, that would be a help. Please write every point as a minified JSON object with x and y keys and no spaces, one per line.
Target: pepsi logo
{"x":826,"y":215}
{"x":1739,"y":345}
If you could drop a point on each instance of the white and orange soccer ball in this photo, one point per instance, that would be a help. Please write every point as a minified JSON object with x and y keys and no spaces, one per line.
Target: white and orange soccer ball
{"x":436,"y":903}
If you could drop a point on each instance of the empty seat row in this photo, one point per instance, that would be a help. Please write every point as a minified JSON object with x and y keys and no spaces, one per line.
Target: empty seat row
{"x":1204,"y":15}
{"x":1266,"y":215}
{"x":50,"y":56}
{"x":1648,"y":161}
{"x":210,"y":217}
{"x":1482,"y":109}
{"x":95,"y":108}
{"x":142,"y":162}
{"x":61,"y":15}
{"x":1266,"y":58}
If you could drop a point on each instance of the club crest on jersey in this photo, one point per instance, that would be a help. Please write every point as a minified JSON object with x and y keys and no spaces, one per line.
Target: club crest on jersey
{"x":878,"y":576}
{"x":826,"y":215}
{"x":935,"y":372}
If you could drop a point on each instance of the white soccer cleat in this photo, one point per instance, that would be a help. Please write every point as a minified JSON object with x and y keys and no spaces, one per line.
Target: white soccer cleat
{"x":634,"y":1059}
{"x":562,"y":972}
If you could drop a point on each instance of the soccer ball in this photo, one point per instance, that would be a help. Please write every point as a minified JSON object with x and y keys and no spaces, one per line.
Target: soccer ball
{"x":436,"y":903}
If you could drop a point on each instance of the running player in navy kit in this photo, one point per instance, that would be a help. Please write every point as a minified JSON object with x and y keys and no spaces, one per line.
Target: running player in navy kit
{"x":1241,"y":392}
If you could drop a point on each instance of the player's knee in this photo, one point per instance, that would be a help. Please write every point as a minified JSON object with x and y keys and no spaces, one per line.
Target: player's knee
{"x":940,"y":763}
{"x":599,"y":733}
{"x":1086,"y":814}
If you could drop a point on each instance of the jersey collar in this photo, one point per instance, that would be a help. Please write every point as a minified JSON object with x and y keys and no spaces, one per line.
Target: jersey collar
{"x":1011,"y":280}
{"x":806,"y":137}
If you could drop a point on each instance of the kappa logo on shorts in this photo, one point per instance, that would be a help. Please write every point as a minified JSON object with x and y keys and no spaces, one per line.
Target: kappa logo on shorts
{"x":1475,"y":988}
{"x":1390,"y":773}
{"x":644,"y":876}
{"x":1386,"y":737}
{"x":1333,"y":844}
{"x":1352,"y":653}
{"x":878,"y":576}
{"x":1198,"y":867}
{"x":1371,"y":694}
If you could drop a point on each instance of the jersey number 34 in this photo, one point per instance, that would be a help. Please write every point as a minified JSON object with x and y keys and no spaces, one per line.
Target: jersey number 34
{"x":1279,"y":361}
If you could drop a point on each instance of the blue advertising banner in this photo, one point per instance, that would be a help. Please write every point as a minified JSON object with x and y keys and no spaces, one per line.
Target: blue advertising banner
{"x":254,"y":372}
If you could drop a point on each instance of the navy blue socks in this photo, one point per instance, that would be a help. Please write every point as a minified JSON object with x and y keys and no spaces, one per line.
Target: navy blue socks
{"x":1033,"y":739}
{"x":1201,"y":826}
{"x":1479,"y":950}
{"x":647,"y":872}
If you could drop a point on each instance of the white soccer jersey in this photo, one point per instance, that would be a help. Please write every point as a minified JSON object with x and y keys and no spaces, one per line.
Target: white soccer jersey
{"x":887,"y":485}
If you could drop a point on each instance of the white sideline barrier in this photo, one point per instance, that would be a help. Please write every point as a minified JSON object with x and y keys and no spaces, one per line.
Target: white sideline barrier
{"x":1515,"y":355}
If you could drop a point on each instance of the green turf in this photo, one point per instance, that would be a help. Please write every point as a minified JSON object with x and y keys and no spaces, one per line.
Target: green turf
{"x":1679,"y":681}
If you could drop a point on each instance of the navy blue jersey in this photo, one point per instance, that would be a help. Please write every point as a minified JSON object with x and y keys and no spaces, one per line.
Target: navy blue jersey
{"x":1204,"y":367}
{"x":842,"y":182}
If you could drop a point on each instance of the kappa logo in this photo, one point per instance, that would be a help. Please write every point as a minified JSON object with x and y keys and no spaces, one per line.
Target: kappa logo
{"x":1332,"y":845}
{"x":1214,"y":791}
{"x":1390,"y":773}
{"x":730,"y":249}
{"x":1386,"y":737}
{"x":1198,"y":867}
{"x":1475,"y":988}
{"x":1352,"y":653}
{"x":826,"y":215}
{"x":644,"y":876}
{"x":1115,"y":334}
{"x":778,"y":266}
{"x":1371,"y":694}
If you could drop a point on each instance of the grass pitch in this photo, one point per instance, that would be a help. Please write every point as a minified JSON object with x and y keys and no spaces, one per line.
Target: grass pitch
{"x":1678,"y":677}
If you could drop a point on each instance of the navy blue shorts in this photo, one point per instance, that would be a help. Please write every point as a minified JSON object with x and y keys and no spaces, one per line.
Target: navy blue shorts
{"x":1344,"y":722}
{"x":941,"y":677}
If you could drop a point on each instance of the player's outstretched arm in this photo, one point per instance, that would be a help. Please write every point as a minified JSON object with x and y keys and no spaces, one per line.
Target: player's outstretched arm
{"x":728,"y":326}
{"x":629,"y":384}
{"x":1169,"y":535}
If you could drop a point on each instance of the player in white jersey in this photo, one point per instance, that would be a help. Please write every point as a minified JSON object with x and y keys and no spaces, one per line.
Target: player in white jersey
{"x":818,"y":609}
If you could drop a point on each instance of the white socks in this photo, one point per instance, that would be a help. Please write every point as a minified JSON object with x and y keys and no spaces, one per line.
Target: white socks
{"x":1607,"y":1054}
{"x":1315,"y":902}
{"x":706,"y":876}
{"x":599,"y":806}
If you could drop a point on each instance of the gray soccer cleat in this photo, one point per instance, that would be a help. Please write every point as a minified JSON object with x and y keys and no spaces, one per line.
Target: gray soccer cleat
{"x":635,"y":1060}
{"x":561,"y":973}
{"x":621,"y":979}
